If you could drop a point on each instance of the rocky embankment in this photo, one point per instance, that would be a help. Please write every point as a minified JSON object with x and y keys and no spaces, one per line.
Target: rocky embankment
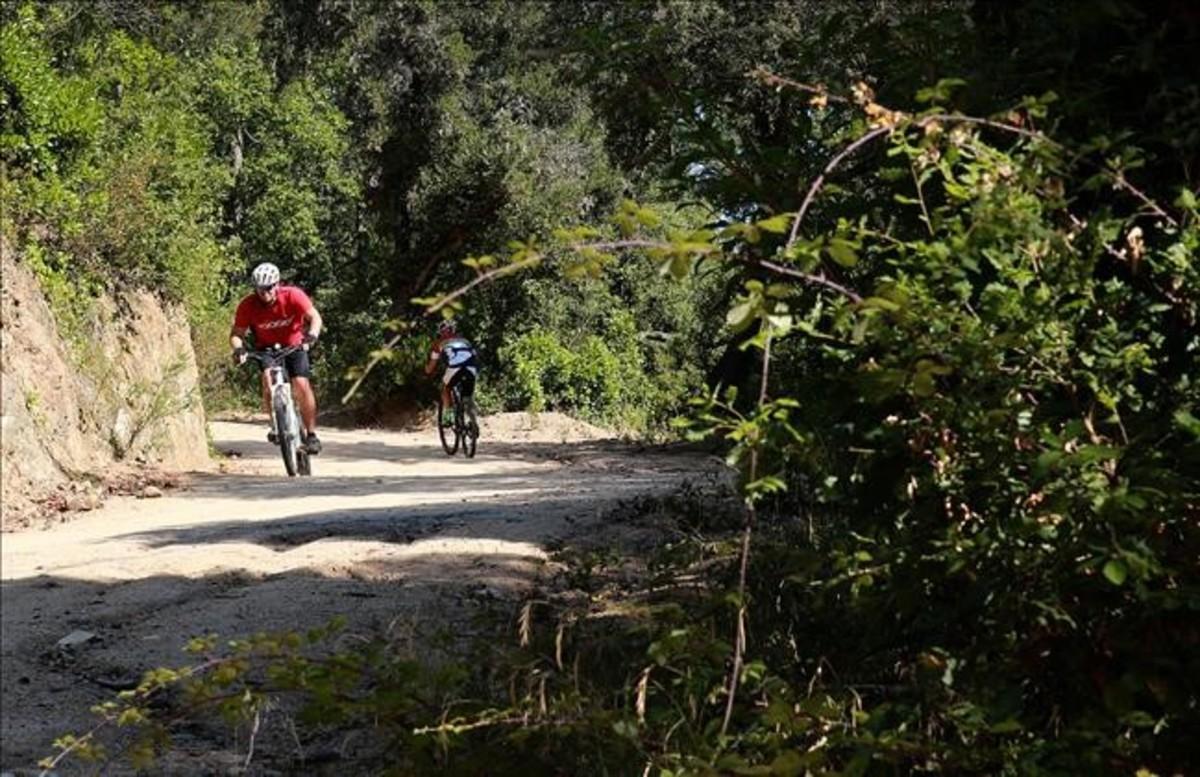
{"x":90,"y":408}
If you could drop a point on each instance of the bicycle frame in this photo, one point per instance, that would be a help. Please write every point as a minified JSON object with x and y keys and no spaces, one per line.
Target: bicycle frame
{"x":281,"y":393}
{"x":284,"y":412}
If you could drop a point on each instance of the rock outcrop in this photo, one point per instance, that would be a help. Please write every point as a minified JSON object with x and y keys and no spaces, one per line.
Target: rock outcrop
{"x":122,"y":390}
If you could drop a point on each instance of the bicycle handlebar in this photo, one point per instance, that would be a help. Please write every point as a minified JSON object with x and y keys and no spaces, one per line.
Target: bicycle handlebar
{"x":271,"y":356}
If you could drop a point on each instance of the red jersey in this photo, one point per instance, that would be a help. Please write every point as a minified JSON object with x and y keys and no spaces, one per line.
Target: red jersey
{"x":281,"y":322}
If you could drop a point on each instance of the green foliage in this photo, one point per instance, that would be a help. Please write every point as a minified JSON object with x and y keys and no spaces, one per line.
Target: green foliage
{"x":973,"y":479}
{"x":108,"y":161}
{"x":47,"y":116}
{"x":70,"y":298}
{"x":623,"y":349}
{"x":588,"y":378}
{"x":140,"y":165}
{"x":994,"y":437}
{"x":990,"y":438}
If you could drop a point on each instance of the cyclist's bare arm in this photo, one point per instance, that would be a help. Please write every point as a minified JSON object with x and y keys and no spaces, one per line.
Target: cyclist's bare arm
{"x":237,"y":337}
{"x":432,"y":363}
{"x":314,"y":322}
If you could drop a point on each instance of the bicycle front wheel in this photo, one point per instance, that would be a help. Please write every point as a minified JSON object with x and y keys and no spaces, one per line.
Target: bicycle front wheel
{"x":446,"y":433}
{"x":289,"y":435}
{"x":303,"y":462}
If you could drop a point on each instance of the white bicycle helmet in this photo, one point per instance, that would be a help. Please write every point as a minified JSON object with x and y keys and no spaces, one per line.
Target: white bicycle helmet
{"x":265,"y":275}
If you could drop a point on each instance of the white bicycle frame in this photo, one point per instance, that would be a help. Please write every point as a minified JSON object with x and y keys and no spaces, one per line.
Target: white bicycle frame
{"x":281,"y":399}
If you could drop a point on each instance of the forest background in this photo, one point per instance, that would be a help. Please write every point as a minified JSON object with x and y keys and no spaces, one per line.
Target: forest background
{"x":944,"y":251}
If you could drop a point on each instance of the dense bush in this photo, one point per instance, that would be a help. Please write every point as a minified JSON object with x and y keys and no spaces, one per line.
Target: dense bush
{"x":624,"y":349}
{"x":999,"y":437}
{"x":587,"y":378}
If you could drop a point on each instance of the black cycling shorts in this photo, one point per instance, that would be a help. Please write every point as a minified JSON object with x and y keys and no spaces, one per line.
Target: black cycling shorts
{"x":465,"y":377}
{"x":297,"y":365}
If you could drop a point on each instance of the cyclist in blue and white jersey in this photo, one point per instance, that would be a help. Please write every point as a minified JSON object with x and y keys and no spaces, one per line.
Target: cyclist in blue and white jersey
{"x":460,"y":360}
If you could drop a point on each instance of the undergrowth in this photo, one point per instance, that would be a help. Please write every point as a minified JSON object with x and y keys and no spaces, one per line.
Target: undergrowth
{"x":539,"y":686}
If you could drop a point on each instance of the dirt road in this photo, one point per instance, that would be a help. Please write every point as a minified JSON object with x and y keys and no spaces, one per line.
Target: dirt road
{"x":390,"y":532}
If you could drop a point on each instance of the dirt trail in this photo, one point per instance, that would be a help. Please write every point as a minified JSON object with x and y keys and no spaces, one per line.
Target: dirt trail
{"x":390,"y":532}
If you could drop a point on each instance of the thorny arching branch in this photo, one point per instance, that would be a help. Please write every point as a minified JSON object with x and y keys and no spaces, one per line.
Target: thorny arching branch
{"x":612,"y":245}
{"x":479,"y":280}
{"x":819,"y":182}
{"x":739,"y":638}
{"x":1121,"y":182}
{"x":809,"y":278}
{"x":48,"y":766}
{"x":886,"y":121}
{"x":886,"y":129}
{"x":379,"y":356}
{"x":821,"y":95}
{"x":437,"y":306}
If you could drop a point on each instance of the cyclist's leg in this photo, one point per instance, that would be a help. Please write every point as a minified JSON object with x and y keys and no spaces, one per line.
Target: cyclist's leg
{"x":306,"y":401}
{"x":300,"y":373}
{"x":266,"y":392}
{"x":266,"y":395}
{"x":448,"y":379}
{"x":470,"y":378}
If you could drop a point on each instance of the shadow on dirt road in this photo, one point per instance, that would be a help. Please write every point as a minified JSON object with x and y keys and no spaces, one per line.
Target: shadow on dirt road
{"x":390,"y":533}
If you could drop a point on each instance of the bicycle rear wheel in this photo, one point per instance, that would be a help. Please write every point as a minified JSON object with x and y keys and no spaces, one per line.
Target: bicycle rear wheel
{"x":469,"y":426}
{"x":445,"y":433}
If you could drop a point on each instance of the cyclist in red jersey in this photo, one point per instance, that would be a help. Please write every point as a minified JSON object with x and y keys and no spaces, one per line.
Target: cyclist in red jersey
{"x":281,"y":315}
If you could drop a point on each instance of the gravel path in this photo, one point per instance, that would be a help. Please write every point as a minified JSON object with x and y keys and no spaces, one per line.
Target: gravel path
{"x":389,"y":532}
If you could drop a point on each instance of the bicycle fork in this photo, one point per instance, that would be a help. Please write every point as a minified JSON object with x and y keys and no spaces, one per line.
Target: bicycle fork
{"x":281,"y":400}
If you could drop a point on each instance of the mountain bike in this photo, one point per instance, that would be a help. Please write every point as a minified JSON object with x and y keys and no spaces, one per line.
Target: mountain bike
{"x":464,"y":431}
{"x":286,"y":426}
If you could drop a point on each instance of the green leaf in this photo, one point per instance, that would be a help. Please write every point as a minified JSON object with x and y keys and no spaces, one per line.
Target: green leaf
{"x":1009,"y":726}
{"x":1139,"y":719}
{"x":626,"y":729}
{"x":789,"y":764}
{"x":923,"y":384}
{"x":940,"y":92}
{"x":843,"y":252}
{"x":648,"y":218}
{"x":680,"y":266}
{"x":1092,"y":453}
{"x":776,"y":224}
{"x":1188,"y":422}
{"x":1115,"y":571}
{"x":740,"y":316}
{"x":880,"y":303}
